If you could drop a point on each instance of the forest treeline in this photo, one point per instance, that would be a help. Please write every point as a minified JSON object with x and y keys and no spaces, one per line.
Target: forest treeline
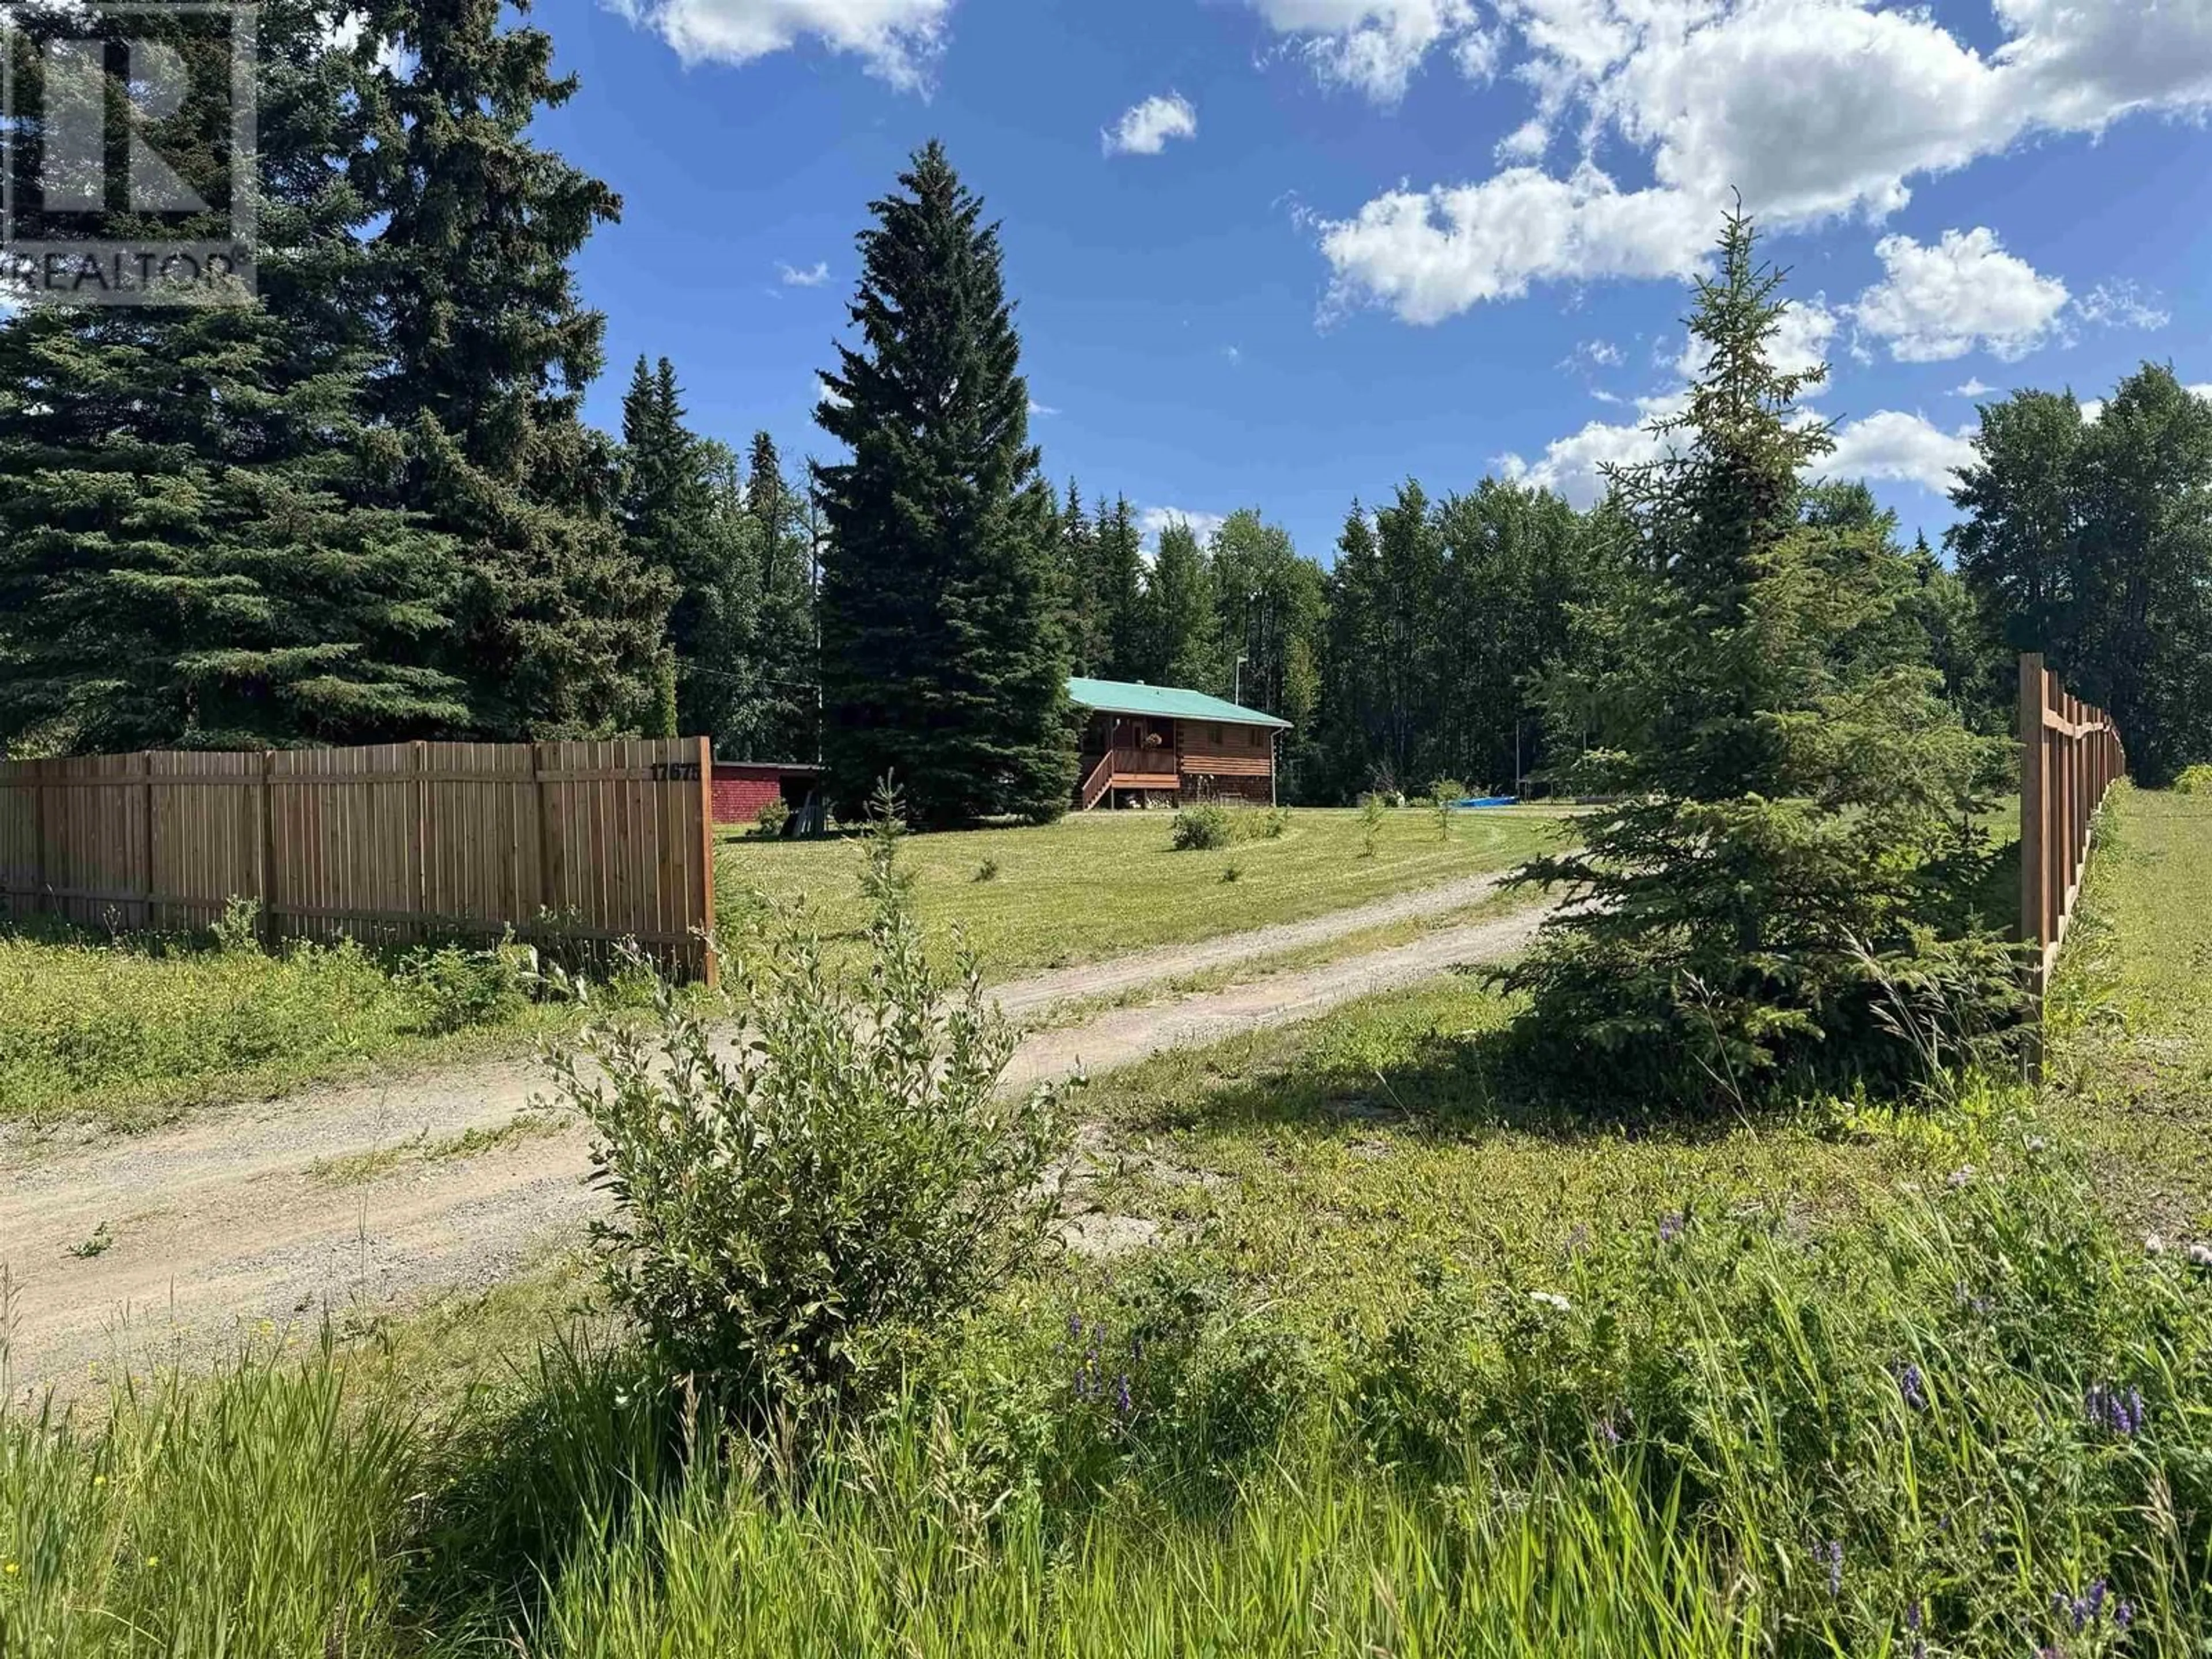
{"x":369,"y":508}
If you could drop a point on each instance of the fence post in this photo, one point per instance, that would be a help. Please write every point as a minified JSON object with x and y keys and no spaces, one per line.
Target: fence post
{"x":38,"y":836}
{"x":267,"y":881}
{"x":420,"y":891}
{"x":548,"y":890}
{"x":146,"y":845}
{"x":2033,"y":863}
{"x":710,"y":969}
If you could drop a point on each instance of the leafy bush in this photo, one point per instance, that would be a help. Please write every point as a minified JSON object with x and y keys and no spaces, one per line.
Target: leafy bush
{"x":1204,"y":828}
{"x":788,"y":1218}
{"x":458,"y":987}
{"x":1209,"y":826}
{"x":987,"y":870}
{"x":239,"y":929}
{"x":2197,"y":781}
{"x":769,"y":824}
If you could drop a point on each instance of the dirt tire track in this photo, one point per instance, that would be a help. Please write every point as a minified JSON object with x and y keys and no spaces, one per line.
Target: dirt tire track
{"x":219,"y":1226}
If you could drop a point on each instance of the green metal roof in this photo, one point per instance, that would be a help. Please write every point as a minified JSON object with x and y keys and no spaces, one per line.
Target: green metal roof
{"x":1165,"y":702}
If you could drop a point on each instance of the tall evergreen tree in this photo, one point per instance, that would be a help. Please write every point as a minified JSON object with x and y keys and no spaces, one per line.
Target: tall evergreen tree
{"x":1078,"y":548}
{"x":188,"y":556}
{"x":1116,"y":598}
{"x":1183,"y":627}
{"x":943,"y":655}
{"x":682,"y":515}
{"x":1779,"y":874}
{"x":488,"y":354}
{"x":786,"y":653}
{"x":1354,"y":726}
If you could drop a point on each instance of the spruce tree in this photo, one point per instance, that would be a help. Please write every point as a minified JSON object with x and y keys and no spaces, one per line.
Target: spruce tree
{"x":1777,"y":885}
{"x":942,"y":657}
{"x":1068,"y":530}
{"x":1182,"y":626}
{"x":189,"y":553}
{"x":786,"y":657}
{"x":488,"y":354}
{"x":1117,"y":593}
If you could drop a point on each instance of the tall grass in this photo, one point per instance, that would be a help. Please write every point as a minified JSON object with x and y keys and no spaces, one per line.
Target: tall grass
{"x":128,"y":1029}
{"x":1975,"y":1422}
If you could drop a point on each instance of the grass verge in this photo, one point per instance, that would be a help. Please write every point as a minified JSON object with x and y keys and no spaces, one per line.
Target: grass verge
{"x":1102,"y":885}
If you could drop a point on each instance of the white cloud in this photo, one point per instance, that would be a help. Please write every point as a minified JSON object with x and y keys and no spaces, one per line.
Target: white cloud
{"x":1973,"y":388}
{"x":823,"y":394}
{"x":2204,"y":391}
{"x":1429,"y":255}
{"x":2092,"y":409}
{"x":898,"y":40}
{"x":1526,"y":142}
{"x":1042,"y":411}
{"x":1145,"y":128}
{"x":813,"y":276}
{"x":1939,"y":302}
{"x":2122,"y":304}
{"x":1599,"y":353}
{"x":1574,"y":467}
{"x":1375,"y":45}
{"x":1900,"y":447}
{"x":1815,"y":109}
{"x":1151,"y":521}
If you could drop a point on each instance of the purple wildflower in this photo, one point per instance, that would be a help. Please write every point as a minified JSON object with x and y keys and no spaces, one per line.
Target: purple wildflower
{"x":1830,"y":1555}
{"x":2121,"y":1413}
{"x":1909,"y":1384}
{"x":1672,"y":1227}
{"x":1122,"y":1395}
{"x":2124,"y":1615}
{"x":1912,"y":1617}
{"x":1075,"y":1326}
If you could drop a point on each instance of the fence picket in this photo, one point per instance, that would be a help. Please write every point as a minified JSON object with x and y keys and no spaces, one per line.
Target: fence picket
{"x":2071,"y":755}
{"x":396,"y":841}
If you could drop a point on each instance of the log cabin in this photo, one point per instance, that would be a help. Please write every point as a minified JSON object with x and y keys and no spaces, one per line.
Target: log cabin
{"x":1159,"y":745}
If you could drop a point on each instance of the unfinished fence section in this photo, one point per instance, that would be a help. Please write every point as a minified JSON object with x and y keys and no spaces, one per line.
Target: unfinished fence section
{"x":400,"y":842}
{"x":2070,"y":755}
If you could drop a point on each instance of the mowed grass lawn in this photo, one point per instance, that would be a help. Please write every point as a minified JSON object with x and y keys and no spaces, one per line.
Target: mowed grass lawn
{"x":1101,"y":884}
{"x":2131,"y":1013}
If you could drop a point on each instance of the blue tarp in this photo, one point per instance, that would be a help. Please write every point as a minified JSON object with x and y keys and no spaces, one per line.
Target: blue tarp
{"x":1489,"y":800}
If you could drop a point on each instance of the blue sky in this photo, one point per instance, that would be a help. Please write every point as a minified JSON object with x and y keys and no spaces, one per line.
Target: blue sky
{"x":1339,"y":243}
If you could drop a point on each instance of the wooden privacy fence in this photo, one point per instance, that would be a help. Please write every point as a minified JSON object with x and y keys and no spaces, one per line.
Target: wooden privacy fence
{"x":591,"y":842}
{"x":2071,"y":756}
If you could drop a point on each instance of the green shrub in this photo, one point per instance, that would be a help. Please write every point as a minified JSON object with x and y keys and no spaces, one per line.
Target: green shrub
{"x":987,"y":870}
{"x":1209,"y":826}
{"x":1204,"y":828}
{"x":239,"y":929}
{"x":458,"y":987}
{"x":1372,"y":814}
{"x":769,"y":824}
{"x":786,"y":1220}
{"x":2196,"y":780}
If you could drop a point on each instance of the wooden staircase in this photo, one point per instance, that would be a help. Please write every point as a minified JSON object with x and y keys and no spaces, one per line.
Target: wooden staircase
{"x":1095,"y":786}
